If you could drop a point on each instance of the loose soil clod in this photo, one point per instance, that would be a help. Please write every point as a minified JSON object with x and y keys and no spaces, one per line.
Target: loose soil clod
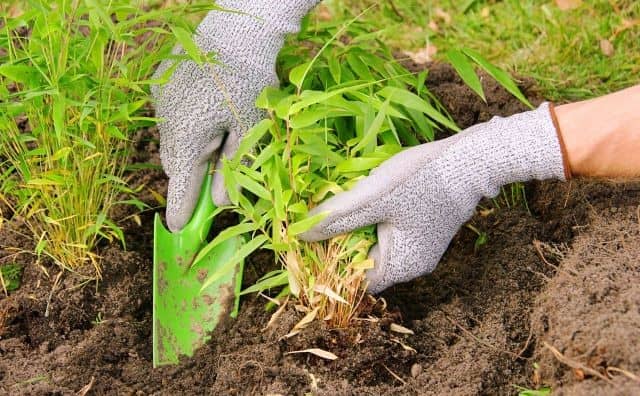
{"x":471,"y":318}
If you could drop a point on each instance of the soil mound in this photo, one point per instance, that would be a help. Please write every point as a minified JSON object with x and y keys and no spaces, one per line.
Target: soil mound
{"x":587,"y":321}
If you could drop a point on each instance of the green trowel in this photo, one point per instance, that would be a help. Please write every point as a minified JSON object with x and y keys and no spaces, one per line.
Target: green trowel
{"x":185,"y":308}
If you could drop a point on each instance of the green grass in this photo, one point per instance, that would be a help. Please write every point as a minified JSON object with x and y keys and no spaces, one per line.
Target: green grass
{"x":532,"y":38}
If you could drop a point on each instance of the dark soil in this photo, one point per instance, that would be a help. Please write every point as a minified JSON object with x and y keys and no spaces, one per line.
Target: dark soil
{"x":565,"y":273}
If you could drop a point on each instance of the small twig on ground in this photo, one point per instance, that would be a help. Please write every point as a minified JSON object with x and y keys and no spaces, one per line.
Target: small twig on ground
{"x":626,"y":373}
{"x":53,"y":289}
{"x":539,"y":245}
{"x":85,"y":389}
{"x":526,"y":344}
{"x":253,"y":363}
{"x":396,"y":376}
{"x":575,"y":364}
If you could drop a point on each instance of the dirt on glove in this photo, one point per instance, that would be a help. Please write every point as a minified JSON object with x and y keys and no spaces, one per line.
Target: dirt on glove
{"x":551,"y":298}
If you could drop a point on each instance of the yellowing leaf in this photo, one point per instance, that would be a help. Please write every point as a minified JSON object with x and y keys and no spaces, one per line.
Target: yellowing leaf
{"x":308,"y":318}
{"x":322,"y":289}
{"x":364,"y":264}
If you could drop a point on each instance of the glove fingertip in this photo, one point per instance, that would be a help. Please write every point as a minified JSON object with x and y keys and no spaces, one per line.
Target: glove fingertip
{"x":375,"y":276}
{"x":219,"y":193}
{"x":175,"y":222}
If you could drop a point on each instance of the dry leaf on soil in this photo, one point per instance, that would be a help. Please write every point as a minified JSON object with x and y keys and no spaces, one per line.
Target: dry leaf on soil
{"x":324,"y":13}
{"x":400,"y":329}
{"x":276,"y":315}
{"x":606,"y":47}
{"x":304,"y":322}
{"x":316,"y":351}
{"x":442,"y":14}
{"x":565,"y":5}
{"x":423,"y":56}
{"x":404,"y":346}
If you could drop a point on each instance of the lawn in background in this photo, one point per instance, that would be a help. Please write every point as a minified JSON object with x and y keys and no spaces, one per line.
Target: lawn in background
{"x":574,"y":49}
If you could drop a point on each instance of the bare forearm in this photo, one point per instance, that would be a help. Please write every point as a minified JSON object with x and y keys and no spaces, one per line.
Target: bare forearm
{"x":602,"y":135}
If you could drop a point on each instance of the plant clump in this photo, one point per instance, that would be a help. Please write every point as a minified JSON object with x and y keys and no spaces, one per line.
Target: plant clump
{"x":336,"y":117}
{"x":73,"y":90}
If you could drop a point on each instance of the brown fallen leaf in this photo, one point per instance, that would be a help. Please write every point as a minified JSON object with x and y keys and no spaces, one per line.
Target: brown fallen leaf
{"x":324,"y":13}
{"x":565,"y":5}
{"x":485,"y":12}
{"x":606,"y":47}
{"x":423,"y":56}
{"x":442,"y":14}
{"x":434,"y":26}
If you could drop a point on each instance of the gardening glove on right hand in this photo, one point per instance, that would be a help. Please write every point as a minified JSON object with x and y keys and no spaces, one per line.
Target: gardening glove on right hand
{"x":206,"y":110}
{"x":421,"y":197}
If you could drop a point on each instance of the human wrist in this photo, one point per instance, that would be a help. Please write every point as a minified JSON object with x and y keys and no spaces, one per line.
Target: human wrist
{"x":602,"y":135}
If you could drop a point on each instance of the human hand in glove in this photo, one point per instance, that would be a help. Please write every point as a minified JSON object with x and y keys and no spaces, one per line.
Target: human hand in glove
{"x":205,"y":111}
{"x":421,"y":197}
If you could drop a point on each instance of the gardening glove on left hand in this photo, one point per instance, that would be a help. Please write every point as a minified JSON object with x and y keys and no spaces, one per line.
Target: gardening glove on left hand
{"x":421,"y":197}
{"x":206,"y":110}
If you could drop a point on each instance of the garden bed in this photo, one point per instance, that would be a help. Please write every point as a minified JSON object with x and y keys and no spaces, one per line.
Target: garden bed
{"x":480,"y":321}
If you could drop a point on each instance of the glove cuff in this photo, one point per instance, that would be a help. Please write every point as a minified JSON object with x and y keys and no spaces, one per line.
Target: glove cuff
{"x":563,"y":147}
{"x":521,"y":147}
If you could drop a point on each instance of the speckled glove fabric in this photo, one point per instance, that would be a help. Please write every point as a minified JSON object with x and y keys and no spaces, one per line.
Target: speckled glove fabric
{"x":421,"y":197}
{"x":207,"y":110}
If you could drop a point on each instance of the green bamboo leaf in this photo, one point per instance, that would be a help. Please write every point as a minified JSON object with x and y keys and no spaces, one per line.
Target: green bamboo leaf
{"x":58,"y":114}
{"x":239,"y":255}
{"x":225,"y":235}
{"x":185,"y":38}
{"x":249,"y":184}
{"x":312,"y":97}
{"x":358,"y":164}
{"x":372,"y":132}
{"x":412,"y":101}
{"x":271,"y":280}
{"x":298,"y":74}
{"x":313,"y":115}
{"x":251,"y":139}
{"x":461,"y":63}
{"x":304,"y":225}
{"x":499,"y":75}
{"x":335,"y":69}
{"x":270,"y":97}
{"x":18,"y":73}
{"x":359,"y":67}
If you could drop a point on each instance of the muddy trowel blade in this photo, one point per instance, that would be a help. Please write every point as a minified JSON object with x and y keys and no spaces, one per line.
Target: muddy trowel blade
{"x":185,"y":313}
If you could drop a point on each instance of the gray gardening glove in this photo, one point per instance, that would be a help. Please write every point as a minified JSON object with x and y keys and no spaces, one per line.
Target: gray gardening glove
{"x":421,"y":197}
{"x":206,"y":111}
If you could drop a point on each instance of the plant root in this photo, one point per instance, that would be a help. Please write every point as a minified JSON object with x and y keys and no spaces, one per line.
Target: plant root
{"x":574,"y":364}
